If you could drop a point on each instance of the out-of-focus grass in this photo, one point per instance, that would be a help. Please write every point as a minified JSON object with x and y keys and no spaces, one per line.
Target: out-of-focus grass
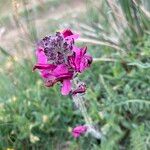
{"x":40,"y":7}
{"x":35,"y":117}
{"x":27,"y":108}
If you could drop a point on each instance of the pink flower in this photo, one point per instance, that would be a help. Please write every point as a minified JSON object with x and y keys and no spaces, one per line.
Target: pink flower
{"x":58,"y":59}
{"x":80,"y":61}
{"x":80,"y":89}
{"x":77,"y":131}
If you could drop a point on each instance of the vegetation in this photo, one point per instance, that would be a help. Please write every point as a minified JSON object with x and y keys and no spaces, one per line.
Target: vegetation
{"x":118,"y":93}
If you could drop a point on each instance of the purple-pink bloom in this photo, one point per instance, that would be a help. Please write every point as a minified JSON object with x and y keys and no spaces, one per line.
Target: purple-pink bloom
{"x":58,"y":59}
{"x":79,"y":130}
{"x":80,"y":60}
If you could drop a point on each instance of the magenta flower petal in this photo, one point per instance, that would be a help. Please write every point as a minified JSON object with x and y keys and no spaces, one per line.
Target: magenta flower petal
{"x":72,"y":37}
{"x":77,"y":131}
{"x":47,"y":73}
{"x":62,"y":71}
{"x":67,"y":32}
{"x":80,"y":61}
{"x":69,"y":35}
{"x":66,"y":88}
{"x":45,"y":69}
{"x":44,"y":66}
{"x":85,"y":62}
{"x":41,"y":57}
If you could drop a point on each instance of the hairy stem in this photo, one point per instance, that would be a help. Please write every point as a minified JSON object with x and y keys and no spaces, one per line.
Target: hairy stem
{"x":79,"y":102}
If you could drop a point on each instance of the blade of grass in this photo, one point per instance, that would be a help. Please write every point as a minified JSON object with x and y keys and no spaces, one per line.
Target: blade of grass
{"x":103,"y":59}
{"x":86,"y":40}
{"x":5,"y":52}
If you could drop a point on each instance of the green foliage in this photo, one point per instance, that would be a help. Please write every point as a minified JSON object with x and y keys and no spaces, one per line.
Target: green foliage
{"x":137,"y":139}
{"x":118,"y":93}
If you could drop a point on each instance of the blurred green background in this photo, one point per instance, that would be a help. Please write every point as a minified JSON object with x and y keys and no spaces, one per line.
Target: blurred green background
{"x":117,"y":33}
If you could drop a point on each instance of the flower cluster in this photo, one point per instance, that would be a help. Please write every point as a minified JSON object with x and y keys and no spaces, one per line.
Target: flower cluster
{"x":59,"y":60}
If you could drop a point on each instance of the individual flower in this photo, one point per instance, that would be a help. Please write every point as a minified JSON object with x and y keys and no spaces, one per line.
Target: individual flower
{"x":59,"y":60}
{"x":81,"y":88}
{"x":80,"y":60}
{"x":79,"y":130}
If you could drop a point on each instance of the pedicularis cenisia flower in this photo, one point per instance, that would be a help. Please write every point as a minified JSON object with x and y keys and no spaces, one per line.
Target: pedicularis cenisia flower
{"x":60,"y":60}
